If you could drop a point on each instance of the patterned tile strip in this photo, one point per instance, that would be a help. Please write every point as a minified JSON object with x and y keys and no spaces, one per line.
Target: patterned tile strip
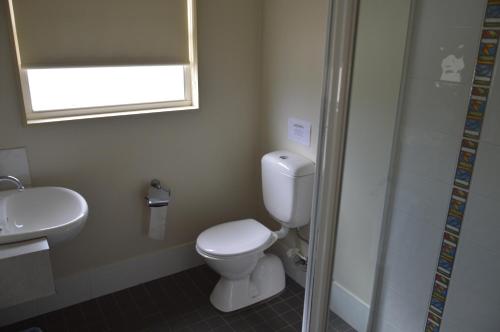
{"x":472,"y":131}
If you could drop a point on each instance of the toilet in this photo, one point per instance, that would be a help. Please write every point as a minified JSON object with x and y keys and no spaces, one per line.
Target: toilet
{"x":235,"y":249}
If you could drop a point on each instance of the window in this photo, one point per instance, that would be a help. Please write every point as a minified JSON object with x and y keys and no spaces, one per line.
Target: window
{"x":100,"y":58}
{"x":72,"y":88}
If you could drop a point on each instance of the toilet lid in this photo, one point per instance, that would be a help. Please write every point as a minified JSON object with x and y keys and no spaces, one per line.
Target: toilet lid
{"x":233,"y":238}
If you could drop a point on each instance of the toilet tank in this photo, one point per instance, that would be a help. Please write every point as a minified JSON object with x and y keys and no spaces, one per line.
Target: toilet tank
{"x":287,"y":186}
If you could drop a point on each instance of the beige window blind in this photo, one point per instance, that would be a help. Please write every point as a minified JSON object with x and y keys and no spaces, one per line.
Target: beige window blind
{"x":78,"y":33}
{"x":80,"y":59}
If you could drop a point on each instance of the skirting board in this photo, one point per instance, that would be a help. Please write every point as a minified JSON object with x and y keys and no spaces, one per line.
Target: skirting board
{"x":106,"y":279}
{"x":342,"y":302}
{"x":349,"y":307}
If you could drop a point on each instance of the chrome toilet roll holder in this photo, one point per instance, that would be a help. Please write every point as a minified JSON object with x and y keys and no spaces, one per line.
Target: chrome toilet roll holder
{"x":157,"y":195}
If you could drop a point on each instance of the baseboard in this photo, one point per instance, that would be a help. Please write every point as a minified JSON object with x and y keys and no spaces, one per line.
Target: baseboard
{"x":342,"y":302}
{"x":106,"y":279}
{"x":349,"y":307}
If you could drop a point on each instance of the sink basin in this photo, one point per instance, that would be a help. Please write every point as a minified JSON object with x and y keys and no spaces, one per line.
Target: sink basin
{"x":57,"y":214}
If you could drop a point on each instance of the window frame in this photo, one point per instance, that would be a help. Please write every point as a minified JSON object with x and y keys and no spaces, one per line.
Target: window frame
{"x":191,"y":101}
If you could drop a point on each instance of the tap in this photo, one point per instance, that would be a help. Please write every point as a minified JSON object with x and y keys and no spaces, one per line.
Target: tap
{"x":13,"y":179}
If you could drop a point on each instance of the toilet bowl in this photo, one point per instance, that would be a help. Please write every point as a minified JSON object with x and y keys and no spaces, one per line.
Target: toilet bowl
{"x":235,"y":249}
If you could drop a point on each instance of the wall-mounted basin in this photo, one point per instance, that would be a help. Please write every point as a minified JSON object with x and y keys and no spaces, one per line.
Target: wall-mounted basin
{"x":57,"y":214}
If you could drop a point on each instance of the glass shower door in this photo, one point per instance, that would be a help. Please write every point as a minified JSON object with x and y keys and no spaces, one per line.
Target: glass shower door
{"x":405,"y":228}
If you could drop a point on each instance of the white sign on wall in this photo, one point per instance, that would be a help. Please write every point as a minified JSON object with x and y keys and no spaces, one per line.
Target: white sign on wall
{"x":299,"y":131}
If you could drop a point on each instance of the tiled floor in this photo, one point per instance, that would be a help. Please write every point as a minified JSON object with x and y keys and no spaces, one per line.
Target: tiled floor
{"x":177,"y":303}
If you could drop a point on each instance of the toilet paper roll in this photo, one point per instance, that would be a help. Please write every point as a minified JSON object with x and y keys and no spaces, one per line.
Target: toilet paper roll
{"x":157,"y":222}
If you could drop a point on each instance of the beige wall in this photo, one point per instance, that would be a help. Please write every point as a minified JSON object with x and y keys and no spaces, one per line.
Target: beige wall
{"x":207,"y":157}
{"x":294,"y":39}
{"x":293,"y":54}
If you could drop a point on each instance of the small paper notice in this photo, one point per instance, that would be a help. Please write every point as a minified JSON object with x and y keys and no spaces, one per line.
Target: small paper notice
{"x":299,"y":131}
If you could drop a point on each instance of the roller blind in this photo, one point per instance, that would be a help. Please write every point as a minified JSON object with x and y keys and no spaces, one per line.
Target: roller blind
{"x":61,"y":33}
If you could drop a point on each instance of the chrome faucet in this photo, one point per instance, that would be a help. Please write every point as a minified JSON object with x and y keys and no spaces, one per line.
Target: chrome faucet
{"x":13,"y":179}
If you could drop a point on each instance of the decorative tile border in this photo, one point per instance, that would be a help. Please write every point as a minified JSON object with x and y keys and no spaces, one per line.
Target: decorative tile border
{"x":465,"y":166}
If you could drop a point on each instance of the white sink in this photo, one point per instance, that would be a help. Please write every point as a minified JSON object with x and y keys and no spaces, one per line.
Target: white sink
{"x":57,"y":214}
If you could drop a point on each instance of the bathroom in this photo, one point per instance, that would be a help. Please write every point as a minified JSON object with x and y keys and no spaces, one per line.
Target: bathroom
{"x":373,"y":94}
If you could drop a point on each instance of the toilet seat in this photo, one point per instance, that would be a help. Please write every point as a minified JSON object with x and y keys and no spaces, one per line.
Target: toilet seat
{"x":234,"y":238}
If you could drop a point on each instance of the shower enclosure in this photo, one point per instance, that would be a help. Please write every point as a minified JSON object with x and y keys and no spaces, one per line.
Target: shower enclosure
{"x":404,"y":232}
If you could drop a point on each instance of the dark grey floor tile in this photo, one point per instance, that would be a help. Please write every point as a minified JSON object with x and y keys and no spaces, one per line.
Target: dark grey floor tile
{"x":339,"y":325}
{"x":287,"y":329}
{"x":74,"y":315}
{"x":263,"y":327}
{"x":98,"y":326}
{"x":287,"y":294}
{"x":277,"y":323}
{"x":266,"y":313}
{"x":281,"y":307}
{"x":297,"y":327}
{"x":241,"y":325}
{"x":223,"y":328}
{"x":207,"y":311}
{"x":215,"y":322}
{"x":292,"y":317}
{"x":178,"y":324}
{"x":92,"y":311}
{"x":160,"y":327}
{"x":199,"y":327}
{"x":294,"y":287}
{"x":193,"y":317}
{"x":254,"y":318}
{"x":178,"y":303}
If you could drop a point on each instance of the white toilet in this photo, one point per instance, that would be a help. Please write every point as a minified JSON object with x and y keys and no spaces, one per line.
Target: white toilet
{"x":235,"y":249}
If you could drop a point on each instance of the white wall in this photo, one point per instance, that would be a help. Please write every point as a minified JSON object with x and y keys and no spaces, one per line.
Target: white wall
{"x":207,"y":157}
{"x":378,"y":65}
{"x":433,"y":117}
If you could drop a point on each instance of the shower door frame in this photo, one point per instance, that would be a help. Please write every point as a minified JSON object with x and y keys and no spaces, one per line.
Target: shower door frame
{"x":339,"y":58}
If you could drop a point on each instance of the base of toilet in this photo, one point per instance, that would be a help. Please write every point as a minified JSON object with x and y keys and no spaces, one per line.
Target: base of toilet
{"x":266,"y":280}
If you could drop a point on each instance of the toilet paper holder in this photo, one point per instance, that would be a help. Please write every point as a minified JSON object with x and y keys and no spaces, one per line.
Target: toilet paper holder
{"x":157,"y":195}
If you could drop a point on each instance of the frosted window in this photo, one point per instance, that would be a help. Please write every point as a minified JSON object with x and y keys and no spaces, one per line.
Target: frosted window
{"x":72,"y":88}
